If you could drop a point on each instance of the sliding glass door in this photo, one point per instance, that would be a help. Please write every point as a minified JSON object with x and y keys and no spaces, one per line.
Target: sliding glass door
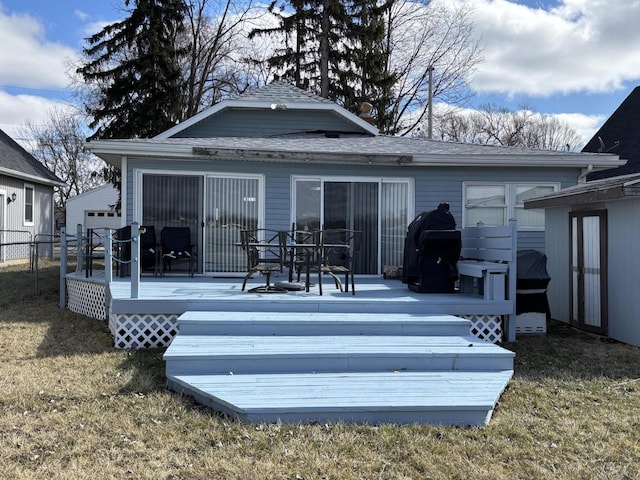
{"x":214,"y":207}
{"x":354,"y":206}
{"x":174,"y":201}
{"x":232,"y":204}
{"x":377,"y":208}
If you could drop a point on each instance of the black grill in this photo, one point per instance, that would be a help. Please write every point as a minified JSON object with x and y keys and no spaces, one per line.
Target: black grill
{"x":431,"y":251}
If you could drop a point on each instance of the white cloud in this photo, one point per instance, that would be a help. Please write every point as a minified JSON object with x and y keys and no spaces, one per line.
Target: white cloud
{"x":81,"y":15}
{"x":584,"y":125}
{"x":18,"y":110}
{"x":27,"y":59}
{"x":578,"y":46}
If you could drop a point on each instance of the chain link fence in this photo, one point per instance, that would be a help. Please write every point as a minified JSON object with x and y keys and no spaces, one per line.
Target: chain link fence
{"x":21,"y":251}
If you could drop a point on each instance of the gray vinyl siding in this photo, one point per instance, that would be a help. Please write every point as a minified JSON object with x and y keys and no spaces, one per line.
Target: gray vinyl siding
{"x":623,"y":259}
{"x":266,"y":123}
{"x":15,"y":228}
{"x":433,"y":185}
{"x":557,"y":250}
{"x":623,"y":255}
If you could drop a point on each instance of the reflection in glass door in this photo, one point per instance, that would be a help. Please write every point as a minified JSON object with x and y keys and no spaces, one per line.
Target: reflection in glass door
{"x":231,"y":205}
{"x":173,"y":201}
{"x":379,"y":209}
{"x":354,"y":206}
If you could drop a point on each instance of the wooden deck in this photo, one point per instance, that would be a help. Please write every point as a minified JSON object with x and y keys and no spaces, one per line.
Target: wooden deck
{"x":176,"y":295}
{"x":338,"y":367}
{"x":387,"y":354}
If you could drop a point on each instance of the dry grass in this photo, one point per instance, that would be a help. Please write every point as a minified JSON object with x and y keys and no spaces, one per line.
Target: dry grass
{"x":72,"y":407}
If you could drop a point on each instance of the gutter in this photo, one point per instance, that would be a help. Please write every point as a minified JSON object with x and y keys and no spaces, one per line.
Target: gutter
{"x":31,"y":177}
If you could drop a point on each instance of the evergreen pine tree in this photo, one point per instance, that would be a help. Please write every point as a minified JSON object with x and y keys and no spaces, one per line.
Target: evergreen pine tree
{"x":312,"y":31}
{"x":134,"y":66}
{"x":336,"y":49}
{"x":365,"y":75}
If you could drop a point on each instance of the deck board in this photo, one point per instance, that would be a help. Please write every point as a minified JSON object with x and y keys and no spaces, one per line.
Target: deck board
{"x":316,"y":323}
{"x":428,"y":397}
{"x":176,"y":295}
{"x":200,"y":354}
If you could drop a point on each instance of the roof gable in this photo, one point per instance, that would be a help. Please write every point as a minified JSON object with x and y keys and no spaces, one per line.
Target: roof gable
{"x":620,"y":135}
{"x":283,"y":108}
{"x":17,"y":162}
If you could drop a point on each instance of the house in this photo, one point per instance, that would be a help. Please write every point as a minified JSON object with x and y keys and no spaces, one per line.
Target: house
{"x":26,"y":200}
{"x":94,"y":208}
{"x":620,"y":135}
{"x":279,"y":155}
{"x":594,"y":256}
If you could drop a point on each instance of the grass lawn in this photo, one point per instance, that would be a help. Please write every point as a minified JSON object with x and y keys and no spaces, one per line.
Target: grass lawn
{"x":73,"y":407}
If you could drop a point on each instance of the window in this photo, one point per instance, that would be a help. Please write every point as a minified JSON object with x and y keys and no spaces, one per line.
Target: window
{"x":28,"y":204}
{"x":495,"y":204}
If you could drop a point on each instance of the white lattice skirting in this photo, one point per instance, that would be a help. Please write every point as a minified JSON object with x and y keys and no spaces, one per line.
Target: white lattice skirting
{"x":138,"y":330}
{"x":486,"y":327}
{"x":86,"y":298}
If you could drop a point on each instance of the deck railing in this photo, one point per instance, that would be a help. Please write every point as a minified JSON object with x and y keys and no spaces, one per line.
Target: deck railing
{"x":85,"y":256}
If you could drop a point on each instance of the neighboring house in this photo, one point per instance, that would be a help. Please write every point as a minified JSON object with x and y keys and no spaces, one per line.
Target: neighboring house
{"x":278,"y":155}
{"x":620,"y":135}
{"x":593,"y":252}
{"x":94,"y":208}
{"x":26,"y":200}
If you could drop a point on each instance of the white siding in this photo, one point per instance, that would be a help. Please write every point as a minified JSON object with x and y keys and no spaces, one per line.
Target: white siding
{"x":97,"y":199}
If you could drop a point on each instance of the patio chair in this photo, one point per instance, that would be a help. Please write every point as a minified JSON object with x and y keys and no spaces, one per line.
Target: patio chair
{"x":176,"y":246}
{"x":149,"y":250}
{"x":337,"y":259}
{"x":304,"y":254}
{"x":266,"y":251}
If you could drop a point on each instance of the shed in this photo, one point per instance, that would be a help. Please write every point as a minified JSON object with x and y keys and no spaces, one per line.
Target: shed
{"x":94,"y":209}
{"x":593,"y":252}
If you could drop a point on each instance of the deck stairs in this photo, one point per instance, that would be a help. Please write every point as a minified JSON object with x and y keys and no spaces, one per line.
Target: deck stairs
{"x":262,"y":367}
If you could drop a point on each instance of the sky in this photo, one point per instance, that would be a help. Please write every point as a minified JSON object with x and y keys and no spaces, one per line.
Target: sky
{"x":577,"y":59}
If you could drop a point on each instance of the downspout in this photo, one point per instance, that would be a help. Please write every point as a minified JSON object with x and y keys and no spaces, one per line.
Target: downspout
{"x":582,"y":178}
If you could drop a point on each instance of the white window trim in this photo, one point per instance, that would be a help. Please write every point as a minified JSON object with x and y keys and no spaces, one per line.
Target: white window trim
{"x":510,"y":199}
{"x":28,"y":223}
{"x":3,"y":205}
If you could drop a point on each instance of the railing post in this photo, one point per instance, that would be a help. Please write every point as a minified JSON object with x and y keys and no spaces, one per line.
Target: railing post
{"x":135,"y":257}
{"x":108,"y":262}
{"x":35,"y":264}
{"x":79,"y":249}
{"x":511,"y":319}
{"x":63,"y":267}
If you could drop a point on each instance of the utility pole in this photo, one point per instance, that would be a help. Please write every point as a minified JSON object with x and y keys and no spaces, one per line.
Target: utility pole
{"x":430,"y":107}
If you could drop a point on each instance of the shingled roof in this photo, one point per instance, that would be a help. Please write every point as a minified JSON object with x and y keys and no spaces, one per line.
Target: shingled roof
{"x":603,"y":190}
{"x":620,"y":135}
{"x":15,"y":161}
{"x":276,"y":91}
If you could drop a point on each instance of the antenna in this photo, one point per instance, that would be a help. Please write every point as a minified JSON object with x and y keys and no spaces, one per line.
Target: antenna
{"x":601,"y":148}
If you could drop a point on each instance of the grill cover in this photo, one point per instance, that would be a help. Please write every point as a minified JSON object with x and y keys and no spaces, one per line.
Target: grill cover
{"x":431,"y":251}
{"x":532,"y":280}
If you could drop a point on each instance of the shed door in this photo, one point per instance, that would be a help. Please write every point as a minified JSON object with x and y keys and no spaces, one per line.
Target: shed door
{"x":589,"y":270}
